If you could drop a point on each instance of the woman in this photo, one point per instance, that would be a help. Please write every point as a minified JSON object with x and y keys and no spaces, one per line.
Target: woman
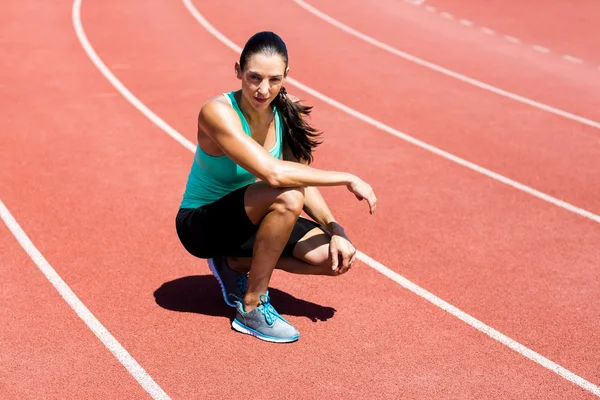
{"x":248,"y":185}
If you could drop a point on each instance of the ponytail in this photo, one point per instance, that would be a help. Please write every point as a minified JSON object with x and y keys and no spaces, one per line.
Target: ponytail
{"x":298,"y":135}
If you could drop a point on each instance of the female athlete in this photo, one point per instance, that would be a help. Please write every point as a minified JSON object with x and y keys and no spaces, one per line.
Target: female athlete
{"x":248,"y":185}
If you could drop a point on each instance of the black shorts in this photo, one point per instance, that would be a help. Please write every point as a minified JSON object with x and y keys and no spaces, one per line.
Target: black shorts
{"x":223,"y":228}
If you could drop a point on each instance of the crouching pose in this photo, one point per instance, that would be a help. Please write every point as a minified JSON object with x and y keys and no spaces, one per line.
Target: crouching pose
{"x":250,"y":181}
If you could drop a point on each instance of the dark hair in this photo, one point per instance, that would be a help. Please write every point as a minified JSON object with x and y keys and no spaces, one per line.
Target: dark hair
{"x":298,"y":135}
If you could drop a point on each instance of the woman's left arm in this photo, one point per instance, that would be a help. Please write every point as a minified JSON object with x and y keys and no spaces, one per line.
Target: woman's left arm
{"x":341,"y":249}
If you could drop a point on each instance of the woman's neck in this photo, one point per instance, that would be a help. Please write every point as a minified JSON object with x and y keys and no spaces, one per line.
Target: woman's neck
{"x":252,"y":114}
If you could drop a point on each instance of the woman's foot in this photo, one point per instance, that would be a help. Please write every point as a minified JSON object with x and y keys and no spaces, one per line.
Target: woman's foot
{"x":233,"y":284}
{"x":264,"y":322}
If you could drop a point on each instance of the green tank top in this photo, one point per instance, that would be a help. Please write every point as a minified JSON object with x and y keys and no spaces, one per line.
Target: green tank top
{"x":211,"y":177}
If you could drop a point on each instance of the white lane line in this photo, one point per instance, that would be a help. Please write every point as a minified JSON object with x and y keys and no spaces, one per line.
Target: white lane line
{"x":488,"y":31}
{"x":136,"y":370}
{"x":512,"y":39}
{"x":82,"y":311}
{"x":541,"y":49}
{"x":480,"y":326}
{"x":475,"y":323}
{"x":572,"y":59}
{"x":443,"y":70}
{"x":106,"y":72}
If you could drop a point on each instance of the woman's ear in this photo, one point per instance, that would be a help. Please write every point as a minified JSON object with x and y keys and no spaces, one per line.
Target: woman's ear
{"x":287,"y":70}
{"x":238,"y":70}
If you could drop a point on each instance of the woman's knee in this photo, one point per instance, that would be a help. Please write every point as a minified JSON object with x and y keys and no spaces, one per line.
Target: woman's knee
{"x":290,"y":200}
{"x":321,"y":259}
{"x":260,"y":199}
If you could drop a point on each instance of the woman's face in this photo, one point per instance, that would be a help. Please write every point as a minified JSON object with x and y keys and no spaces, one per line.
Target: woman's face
{"x":262,"y":78}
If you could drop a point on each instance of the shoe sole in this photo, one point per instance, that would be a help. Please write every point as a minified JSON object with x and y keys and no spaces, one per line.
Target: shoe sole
{"x":213,"y":269}
{"x":238,"y":326}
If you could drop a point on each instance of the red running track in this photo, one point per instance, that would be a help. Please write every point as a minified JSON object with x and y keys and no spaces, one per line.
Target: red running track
{"x":96,"y":187}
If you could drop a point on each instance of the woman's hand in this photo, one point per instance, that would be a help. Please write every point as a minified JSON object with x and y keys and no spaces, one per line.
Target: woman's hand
{"x":342,"y":251}
{"x":363,"y":191}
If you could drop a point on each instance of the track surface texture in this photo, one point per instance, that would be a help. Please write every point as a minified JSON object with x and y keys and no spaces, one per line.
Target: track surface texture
{"x":94,"y":185}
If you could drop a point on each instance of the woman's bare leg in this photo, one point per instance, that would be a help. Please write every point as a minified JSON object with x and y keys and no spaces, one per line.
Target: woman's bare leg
{"x":311,"y":257}
{"x":276,"y":212}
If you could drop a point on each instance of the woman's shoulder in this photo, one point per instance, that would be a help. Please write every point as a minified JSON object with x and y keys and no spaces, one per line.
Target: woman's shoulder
{"x":222,"y":98}
{"x":218,"y":105}
{"x":217,"y":115}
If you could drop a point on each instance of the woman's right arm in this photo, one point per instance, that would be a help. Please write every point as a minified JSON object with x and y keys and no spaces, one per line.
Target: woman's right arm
{"x":220,"y":122}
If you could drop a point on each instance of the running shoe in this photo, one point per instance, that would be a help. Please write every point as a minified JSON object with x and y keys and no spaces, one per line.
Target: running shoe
{"x":264,"y":322}
{"x":233,"y":284}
